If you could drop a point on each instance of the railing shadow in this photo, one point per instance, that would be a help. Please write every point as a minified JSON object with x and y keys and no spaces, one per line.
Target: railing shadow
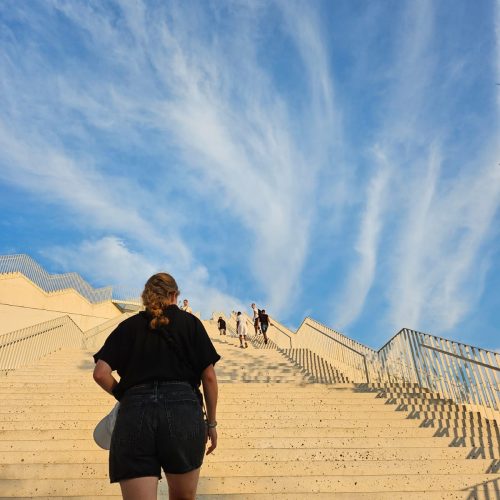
{"x":315,"y":367}
{"x":465,"y":429}
{"x":487,"y":490}
{"x":449,"y":419}
{"x":245,"y":365}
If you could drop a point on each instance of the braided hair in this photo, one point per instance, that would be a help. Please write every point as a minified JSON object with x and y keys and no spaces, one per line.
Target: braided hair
{"x":157,"y":296}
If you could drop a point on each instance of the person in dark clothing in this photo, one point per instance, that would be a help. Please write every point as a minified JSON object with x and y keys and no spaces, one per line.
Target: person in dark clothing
{"x":221,"y":325}
{"x":264,"y":323}
{"x":162,"y":355}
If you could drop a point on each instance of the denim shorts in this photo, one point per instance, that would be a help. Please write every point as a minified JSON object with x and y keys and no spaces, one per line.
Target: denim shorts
{"x":159,"y":425}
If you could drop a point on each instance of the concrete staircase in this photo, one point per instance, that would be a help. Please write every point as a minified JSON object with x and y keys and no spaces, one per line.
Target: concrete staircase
{"x":282,"y":435}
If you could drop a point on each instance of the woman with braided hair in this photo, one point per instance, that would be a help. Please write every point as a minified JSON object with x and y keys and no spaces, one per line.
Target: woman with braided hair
{"x":162,"y":355}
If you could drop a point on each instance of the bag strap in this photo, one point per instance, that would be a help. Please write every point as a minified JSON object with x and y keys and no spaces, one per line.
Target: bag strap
{"x":166,"y":334}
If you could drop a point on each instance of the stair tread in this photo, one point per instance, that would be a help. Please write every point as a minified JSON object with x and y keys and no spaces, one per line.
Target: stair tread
{"x":283,"y":433}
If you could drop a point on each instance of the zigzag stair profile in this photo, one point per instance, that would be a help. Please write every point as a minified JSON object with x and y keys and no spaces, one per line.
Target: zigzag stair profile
{"x":282,"y":434}
{"x":315,"y":365}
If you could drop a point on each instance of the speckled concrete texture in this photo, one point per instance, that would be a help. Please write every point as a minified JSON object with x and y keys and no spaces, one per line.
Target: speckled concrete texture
{"x":288,"y":429}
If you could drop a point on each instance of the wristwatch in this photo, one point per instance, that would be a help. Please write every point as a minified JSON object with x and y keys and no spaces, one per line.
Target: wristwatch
{"x":211,"y":425}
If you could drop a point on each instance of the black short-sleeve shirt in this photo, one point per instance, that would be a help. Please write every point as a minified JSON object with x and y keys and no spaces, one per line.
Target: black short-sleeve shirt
{"x":263,"y":318}
{"x":180,"y":351}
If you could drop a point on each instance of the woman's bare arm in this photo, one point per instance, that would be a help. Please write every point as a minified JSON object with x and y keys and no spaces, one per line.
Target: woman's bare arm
{"x":103,"y":376}
{"x":210,"y":392}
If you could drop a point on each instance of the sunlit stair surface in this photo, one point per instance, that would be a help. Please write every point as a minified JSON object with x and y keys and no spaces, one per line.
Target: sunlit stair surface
{"x":291,"y":426}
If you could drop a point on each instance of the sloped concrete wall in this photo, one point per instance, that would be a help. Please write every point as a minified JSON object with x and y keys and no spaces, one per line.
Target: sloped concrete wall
{"x":23,"y":304}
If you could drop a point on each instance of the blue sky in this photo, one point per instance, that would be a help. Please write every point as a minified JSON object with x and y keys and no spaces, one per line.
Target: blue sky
{"x":337,"y":159}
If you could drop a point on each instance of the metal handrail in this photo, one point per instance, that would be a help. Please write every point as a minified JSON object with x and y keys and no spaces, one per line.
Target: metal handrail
{"x":496,"y":368}
{"x":27,"y":345}
{"x":29,"y":335}
{"x":346,"y":358}
{"x":459,"y":372}
{"x":283,"y":333}
{"x":344,"y":339}
{"x":51,"y":283}
{"x":95,"y":336}
{"x":347,"y":347}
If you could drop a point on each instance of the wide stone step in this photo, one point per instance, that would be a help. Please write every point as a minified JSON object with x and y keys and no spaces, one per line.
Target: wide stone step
{"x":97,"y":396}
{"x":476,"y":494}
{"x":51,"y":414}
{"x":278,"y":427}
{"x":280,"y":436}
{"x":13,"y":403}
{"x":96,"y":455}
{"x":56,"y":367}
{"x":268,"y":484}
{"x":288,"y":432}
{"x":393,"y":495}
{"x":77,"y":383}
{"x":279,"y":469}
{"x":294,"y":389}
{"x":398,"y":495}
{"x":263,"y":370}
{"x":72,"y":414}
{"x":280,"y":442}
{"x":228,"y":423}
{"x":13,"y":398}
{"x":223,"y":407}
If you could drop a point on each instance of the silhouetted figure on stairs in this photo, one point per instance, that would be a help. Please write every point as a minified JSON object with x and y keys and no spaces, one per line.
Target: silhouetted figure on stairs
{"x":264,"y":323}
{"x":221,"y":325}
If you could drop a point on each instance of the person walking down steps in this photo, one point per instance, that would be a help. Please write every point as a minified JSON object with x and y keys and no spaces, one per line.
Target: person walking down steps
{"x":241,"y":327}
{"x":221,"y":324}
{"x":162,"y":355}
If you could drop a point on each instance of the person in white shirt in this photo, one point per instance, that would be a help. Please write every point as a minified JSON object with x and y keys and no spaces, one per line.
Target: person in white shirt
{"x":186,"y":307}
{"x":241,"y":327}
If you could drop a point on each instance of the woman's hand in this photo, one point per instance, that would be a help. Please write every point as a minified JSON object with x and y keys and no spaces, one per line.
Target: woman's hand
{"x":212,"y":436}
{"x":210,"y":390}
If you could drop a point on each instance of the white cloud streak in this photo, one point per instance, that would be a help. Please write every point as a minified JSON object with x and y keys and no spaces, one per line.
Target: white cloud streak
{"x":209,"y":104}
{"x":431,"y":259}
{"x":221,"y":111}
{"x":362,"y":276}
{"x":109,"y":260}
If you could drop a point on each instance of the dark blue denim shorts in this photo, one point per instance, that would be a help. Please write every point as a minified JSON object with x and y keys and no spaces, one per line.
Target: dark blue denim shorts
{"x":159,"y":425}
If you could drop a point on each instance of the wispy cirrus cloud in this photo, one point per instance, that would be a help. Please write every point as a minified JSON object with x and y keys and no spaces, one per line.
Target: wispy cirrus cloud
{"x":218,"y":114}
{"x":109,"y":260}
{"x":282,"y":152}
{"x":423,"y":240}
{"x":398,"y":137}
{"x":447,"y":221}
{"x":364,"y":269}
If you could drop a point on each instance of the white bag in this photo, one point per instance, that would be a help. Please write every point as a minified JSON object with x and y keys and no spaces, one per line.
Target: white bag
{"x":104,"y":429}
